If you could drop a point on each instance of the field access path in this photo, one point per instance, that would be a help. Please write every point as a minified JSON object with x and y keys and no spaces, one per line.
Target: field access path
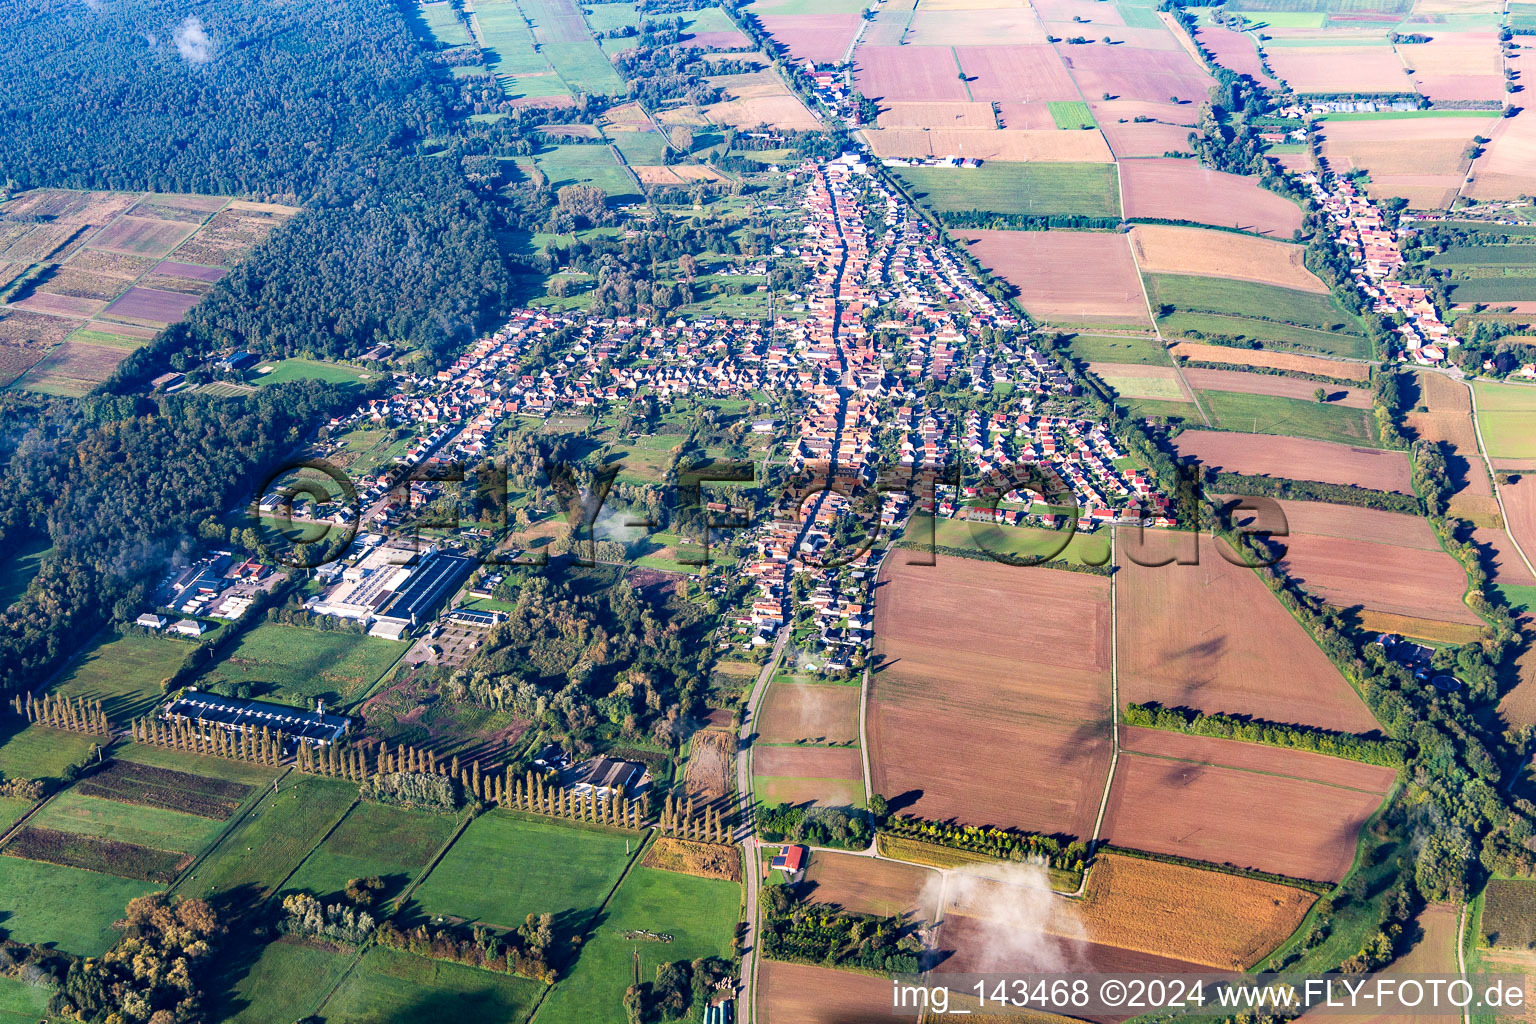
{"x":1152,"y":316}
{"x":1493,"y":477}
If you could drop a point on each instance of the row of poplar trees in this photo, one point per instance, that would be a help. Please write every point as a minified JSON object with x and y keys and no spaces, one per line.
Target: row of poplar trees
{"x":62,"y":713}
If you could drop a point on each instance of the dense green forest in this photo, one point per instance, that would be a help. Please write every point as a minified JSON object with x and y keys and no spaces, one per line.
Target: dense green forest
{"x":332,"y":106}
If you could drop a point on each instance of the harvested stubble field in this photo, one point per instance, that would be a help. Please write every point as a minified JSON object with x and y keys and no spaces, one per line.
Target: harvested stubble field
{"x":985,"y":656}
{"x":1209,"y":917}
{"x":996,"y":145}
{"x":1454,"y":66}
{"x":1136,"y":73}
{"x":1503,"y":171}
{"x":1189,"y":796}
{"x":710,"y":759}
{"x":1130,"y":138}
{"x":73,"y":368}
{"x":1297,"y":459}
{"x":1448,"y":419}
{"x":1070,"y":276}
{"x":1179,"y":646}
{"x":921,"y":73}
{"x":706,"y":860}
{"x":1184,"y":190}
{"x":809,"y":713}
{"x":1275,"y":386}
{"x":1340,"y":69}
{"x":862,"y":885}
{"x":1421,"y":159}
{"x":1015,"y":27}
{"x":978,"y":944}
{"x":951,"y":114}
{"x":803,"y":994}
{"x":1170,"y":249}
{"x":1018,"y":74}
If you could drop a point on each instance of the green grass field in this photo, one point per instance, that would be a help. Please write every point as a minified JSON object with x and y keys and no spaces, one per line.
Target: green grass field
{"x":285,"y":984}
{"x":446,"y":27}
{"x":510,"y":55}
{"x":12,"y":808}
{"x":1267,"y":414}
{"x":1145,"y":351}
{"x":1493,"y":290}
{"x":311,"y":369}
{"x":1490,"y":255}
{"x":605,"y":17}
{"x":1015,"y":541}
{"x":1505,"y":413}
{"x":505,"y":867}
{"x":21,"y":1003}
{"x":1406,"y":115}
{"x":1198,"y":326}
{"x":273,"y":837}
{"x":374,"y":839}
{"x":21,"y":564}
{"x":699,"y":913}
{"x":124,"y":672}
{"x":154,"y":827}
{"x":641,"y":147}
{"x":37,"y":752}
{"x":1163,"y":389}
{"x":182,"y":761}
{"x":586,"y":165}
{"x":1072,"y":115}
{"x":584,"y":67}
{"x":298,"y":663}
{"x":71,"y":908}
{"x":392,"y":987}
{"x":1035,"y":189}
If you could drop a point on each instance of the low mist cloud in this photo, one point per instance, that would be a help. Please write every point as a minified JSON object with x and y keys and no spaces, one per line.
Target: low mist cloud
{"x":193,"y":42}
{"x":1022,"y":926}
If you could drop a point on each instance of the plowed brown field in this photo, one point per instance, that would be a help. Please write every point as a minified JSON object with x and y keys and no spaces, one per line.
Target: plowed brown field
{"x":1274,"y":384}
{"x":1184,"y":795}
{"x":864,"y":885}
{"x":809,"y":712}
{"x":1179,"y":643}
{"x":1075,"y":276}
{"x":1184,"y":190}
{"x":802,"y":994}
{"x":979,"y":656}
{"x":1297,"y":459}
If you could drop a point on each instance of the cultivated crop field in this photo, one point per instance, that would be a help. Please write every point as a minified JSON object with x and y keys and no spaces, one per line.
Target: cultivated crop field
{"x":1509,"y":913}
{"x":1183,"y":795}
{"x":984,"y":656}
{"x":1223,"y":921}
{"x":165,"y":788}
{"x":1068,"y":276}
{"x":1184,"y":190}
{"x":1029,"y":189}
{"x":1179,"y":646}
{"x":1297,"y":459}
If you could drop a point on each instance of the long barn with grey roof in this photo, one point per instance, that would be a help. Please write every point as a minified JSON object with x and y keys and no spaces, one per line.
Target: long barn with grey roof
{"x":240,"y":715}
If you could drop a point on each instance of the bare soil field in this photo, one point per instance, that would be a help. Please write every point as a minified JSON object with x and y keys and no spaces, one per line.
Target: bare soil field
{"x":1518,"y":705}
{"x":1433,"y":952}
{"x":1420,"y":159}
{"x":1331,"y":69}
{"x":1520,"y":508}
{"x":60,"y":305}
{"x":1025,"y":115}
{"x":1297,"y":459}
{"x":1503,"y":171}
{"x":802,"y":994}
{"x":1184,"y":190}
{"x":1320,"y":519}
{"x":809,"y":712}
{"x":1074,"y":276}
{"x":1500,"y":558}
{"x":1133,"y":73}
{"x":808,"y":762}
{"x":1032,"y":74}
{"x":863,"y":885}
{"x":893,"y":73}
{"x":1128,"y":137}
{"x":942,"y":115}
{"x":1278,"y":386}
{"x":1197,"y":352}
{"x":822,"y":38}
{"x":1179,"y":646}
{"x":1221,"y":920}
{"x":1171,"y":249}
{"x":1381,"y":577}
{"x":1049,"y":146}
{"x":981,"y":656}
{"x":1016,"y":27}
{"x":151,"y":305}
{"x":1186,"y":801}
{"x":1233,"y":50}
{"x":979,"y":945}
{"x":1456,"y":66}
{"x":711,"y":758}
{"x":74,"y":368}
